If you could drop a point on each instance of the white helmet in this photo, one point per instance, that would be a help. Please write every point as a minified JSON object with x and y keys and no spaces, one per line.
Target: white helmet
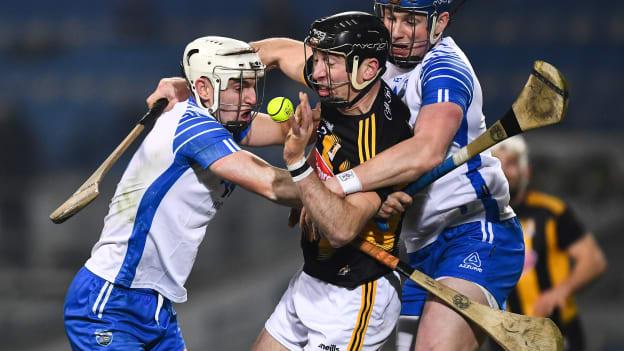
{"x":220,"y":59}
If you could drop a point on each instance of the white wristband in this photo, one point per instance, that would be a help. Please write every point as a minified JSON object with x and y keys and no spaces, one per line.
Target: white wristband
{"x":349,"y":182}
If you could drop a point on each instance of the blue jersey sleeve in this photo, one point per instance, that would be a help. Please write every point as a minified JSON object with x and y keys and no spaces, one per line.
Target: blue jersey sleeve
{"x":446,"y":78}
{"x":240,"y":135}
{"x":203,"y":140}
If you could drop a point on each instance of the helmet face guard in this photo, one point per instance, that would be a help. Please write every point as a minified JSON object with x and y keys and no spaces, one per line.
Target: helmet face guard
{"x":324,"y":55}
{"x":240,"y":77}
{"x":355,"y":36}
{"x":430,"y":9}
{"x":221,"y":60}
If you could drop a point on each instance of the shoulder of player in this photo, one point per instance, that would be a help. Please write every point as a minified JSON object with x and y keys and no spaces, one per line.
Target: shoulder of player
{"x":546,"y":201}
{"x":446,"y":55}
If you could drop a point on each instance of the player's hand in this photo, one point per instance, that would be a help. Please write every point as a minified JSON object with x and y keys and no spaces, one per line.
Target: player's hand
{"x":396,"y":203}
{"x":173,"y":89}
{"x":316,"y":114}
{"x":334,"y":187}
{"x":301,"y":129}
{"x":551,"y":299}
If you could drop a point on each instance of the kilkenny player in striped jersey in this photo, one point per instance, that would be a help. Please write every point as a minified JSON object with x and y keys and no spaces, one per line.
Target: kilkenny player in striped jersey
{"x":461,"y":229}
{"x":561,"y":257}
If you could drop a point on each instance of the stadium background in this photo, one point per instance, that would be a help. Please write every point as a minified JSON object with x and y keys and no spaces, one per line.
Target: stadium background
{"x":74,"y":79}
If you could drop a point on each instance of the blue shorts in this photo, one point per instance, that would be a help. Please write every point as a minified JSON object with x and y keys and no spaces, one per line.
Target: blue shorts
{"x":102,"y":316}
{"x":489,"y":254}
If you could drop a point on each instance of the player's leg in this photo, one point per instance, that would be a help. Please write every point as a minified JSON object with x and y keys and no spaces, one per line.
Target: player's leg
{"x":406,"y":333}
{"x":283,"y":330}
{"x":266,"y":342}
{"x":483,"y":260}
{"x":441,"y":328}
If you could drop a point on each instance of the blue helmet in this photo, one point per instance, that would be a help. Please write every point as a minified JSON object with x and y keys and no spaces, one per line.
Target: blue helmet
{"x":429,"y":8}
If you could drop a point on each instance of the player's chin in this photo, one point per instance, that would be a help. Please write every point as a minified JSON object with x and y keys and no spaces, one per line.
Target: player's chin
{"x":405,"y":51}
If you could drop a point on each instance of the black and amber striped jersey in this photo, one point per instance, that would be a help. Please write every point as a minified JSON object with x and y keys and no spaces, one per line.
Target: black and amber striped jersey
{"x":342,"y":143}
{"x":549,"y":227}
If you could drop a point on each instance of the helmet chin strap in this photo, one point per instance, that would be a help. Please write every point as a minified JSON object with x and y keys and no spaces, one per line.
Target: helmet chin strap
{"x":433,"y":38}
{"x":410,"y":62}
{"x":362,"y":87}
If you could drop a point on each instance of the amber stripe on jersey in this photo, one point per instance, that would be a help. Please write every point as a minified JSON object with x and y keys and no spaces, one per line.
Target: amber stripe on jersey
{"x":368,"y":302}
{"x":528,"y":283}
{"x":367,"y":139}
{"x":553,"y":268}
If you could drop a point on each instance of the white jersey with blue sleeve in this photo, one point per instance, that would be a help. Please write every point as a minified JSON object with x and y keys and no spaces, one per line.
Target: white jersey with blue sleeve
{"x":477,"y":190}
{"x":163,"y":203}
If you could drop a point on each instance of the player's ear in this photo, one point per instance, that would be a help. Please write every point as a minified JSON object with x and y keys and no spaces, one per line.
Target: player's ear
{"x":369,"y":68}
{"x":442,"y":22}
{"x":204,"y":90}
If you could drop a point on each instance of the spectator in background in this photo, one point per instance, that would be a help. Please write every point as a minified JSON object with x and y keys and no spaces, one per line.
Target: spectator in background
{"x":16,"y":173}
{"x":561,"y":255}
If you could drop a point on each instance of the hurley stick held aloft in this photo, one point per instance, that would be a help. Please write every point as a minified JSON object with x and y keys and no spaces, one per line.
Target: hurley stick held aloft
{"x":90,"y":189}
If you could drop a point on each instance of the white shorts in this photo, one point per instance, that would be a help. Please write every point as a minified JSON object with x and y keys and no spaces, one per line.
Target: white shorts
{"x":315,"y":315}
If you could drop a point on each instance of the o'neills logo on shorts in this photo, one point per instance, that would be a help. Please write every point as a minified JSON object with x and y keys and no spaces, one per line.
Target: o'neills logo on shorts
{"x":331,"y":347}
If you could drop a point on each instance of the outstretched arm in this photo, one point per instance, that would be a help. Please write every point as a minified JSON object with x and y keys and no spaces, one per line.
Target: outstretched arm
{"x":286,"y":54}
{"x":256,"y":175}
{"x":341,"y":220}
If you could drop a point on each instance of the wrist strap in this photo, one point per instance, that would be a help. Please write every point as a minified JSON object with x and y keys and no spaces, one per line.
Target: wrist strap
{"x":297,"y":164}
{"x":349,"y":182}
{"x":299,"y":170}
{"x":305,"y":173}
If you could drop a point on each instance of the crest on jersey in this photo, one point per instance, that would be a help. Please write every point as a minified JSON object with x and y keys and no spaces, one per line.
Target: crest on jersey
{"x":103,"y":337}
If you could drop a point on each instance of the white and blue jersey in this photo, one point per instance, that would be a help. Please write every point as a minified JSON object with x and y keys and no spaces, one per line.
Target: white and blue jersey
{"x":475,"y":191}
{"x":163,"y":204}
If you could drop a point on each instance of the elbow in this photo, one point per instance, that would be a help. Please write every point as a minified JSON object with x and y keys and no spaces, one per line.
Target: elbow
{"x":601,"y":263}
{"x":341,"y":237}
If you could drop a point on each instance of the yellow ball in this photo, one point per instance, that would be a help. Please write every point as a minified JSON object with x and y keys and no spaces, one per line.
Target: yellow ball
{"x":280,"y":109}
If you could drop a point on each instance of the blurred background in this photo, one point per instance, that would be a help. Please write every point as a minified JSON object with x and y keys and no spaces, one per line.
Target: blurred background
{"x":75,"y":76}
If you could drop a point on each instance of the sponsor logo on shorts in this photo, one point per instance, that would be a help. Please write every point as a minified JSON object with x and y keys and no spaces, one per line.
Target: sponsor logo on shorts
{"x":331,"y":347}
{"x":103,"y":337}
{"x":472,"y":262}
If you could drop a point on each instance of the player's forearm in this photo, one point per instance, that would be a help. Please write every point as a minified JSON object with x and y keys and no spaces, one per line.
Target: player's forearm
{"x":283,"y":53}
{"x":265,"y":132}
{"x":283,"y":189}
{"x":340,"y":221}
{"x":408,"y":160}
{"x":402,"y":163}
{"x":589,"y":263}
